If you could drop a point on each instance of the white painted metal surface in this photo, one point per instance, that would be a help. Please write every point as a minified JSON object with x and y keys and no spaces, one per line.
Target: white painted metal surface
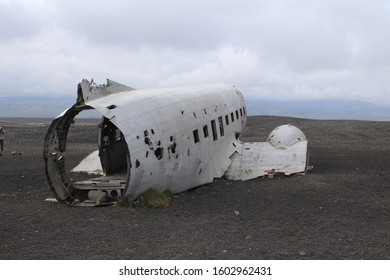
{"x":90,"y":165}
{"x":285,"y":136}
{"x":166,"y":139}
{"x":284,"y":152}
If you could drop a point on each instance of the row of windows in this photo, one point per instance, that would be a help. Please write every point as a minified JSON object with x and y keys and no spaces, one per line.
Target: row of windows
{"x":241,"y":112}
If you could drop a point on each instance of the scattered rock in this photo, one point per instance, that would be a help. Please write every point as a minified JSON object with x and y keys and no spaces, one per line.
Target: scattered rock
{"x":97,"y":196}
{"x":51,"y":199}
{"x":236,"y":213}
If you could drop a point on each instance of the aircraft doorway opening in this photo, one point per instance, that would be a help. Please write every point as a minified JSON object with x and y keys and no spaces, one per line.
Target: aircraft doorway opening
{"x":97,"y":168}
{"x":113,"y":149}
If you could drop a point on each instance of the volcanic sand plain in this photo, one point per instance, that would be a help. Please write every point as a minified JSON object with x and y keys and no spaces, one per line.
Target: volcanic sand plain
{"x":340,"y":209}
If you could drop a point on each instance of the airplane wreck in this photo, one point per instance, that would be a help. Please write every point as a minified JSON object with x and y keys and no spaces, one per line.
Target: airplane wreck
{"x":164,"y":139}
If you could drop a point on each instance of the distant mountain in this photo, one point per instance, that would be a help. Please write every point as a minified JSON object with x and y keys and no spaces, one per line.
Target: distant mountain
{"x":320,"y":109}
{"x":50,"y":107}
{"x":36,"y":106}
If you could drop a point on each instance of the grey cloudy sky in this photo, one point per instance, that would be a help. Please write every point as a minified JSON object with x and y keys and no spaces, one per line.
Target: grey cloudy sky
{"x":280,"y":49}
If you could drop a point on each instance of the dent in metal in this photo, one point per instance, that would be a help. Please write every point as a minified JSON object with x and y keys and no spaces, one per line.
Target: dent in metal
{"x":167,"y":139}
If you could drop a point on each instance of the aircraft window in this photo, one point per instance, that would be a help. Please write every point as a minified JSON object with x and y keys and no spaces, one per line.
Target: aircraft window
{"x":214,"y":129}
{"x":241,"y":112}
{"x":227,"y":119}
{"x":194,"y":115}
{"x":237,"y":115}
{"x":221,"y":130}
{"x":243,"y":108}
{"x":232,"y":117}
{"x":205,"y":131}
{"x":196,"y":135}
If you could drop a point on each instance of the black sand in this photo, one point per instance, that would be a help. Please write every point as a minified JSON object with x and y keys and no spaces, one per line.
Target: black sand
{"x":338,"y":210}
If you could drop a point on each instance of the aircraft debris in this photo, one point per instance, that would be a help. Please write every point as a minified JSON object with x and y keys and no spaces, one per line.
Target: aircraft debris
{"x":51,"y":199}
{"x":166,"y":139}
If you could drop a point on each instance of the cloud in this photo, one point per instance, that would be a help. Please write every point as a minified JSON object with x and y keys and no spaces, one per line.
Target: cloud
{"x":269,"y":49}
{"x":20,"y":19}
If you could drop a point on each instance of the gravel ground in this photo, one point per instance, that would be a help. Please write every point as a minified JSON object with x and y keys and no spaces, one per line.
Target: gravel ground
{"x":338,"y":210}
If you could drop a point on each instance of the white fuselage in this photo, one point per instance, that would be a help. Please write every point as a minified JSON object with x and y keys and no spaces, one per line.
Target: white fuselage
{"x":165,"y":139}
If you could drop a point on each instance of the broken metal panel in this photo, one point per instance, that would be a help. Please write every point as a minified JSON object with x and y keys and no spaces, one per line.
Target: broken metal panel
{"x":54,"y":146}
{"x":88,"y":91}
{"x":54,"y":175}
{"x":284,"y":152}
{"x":90,"y":165}
{"x":259,"y":159}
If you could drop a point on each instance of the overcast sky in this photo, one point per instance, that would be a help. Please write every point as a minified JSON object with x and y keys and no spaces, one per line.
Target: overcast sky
{"x":269,"y":49}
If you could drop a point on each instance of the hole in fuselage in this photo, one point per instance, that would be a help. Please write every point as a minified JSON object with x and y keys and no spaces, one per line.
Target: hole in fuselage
{"x":113,"y":149}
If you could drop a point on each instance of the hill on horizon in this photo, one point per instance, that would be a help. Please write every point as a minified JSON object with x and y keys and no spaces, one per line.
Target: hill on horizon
{"x":50,"y":107}
{"x":320,"y":109}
